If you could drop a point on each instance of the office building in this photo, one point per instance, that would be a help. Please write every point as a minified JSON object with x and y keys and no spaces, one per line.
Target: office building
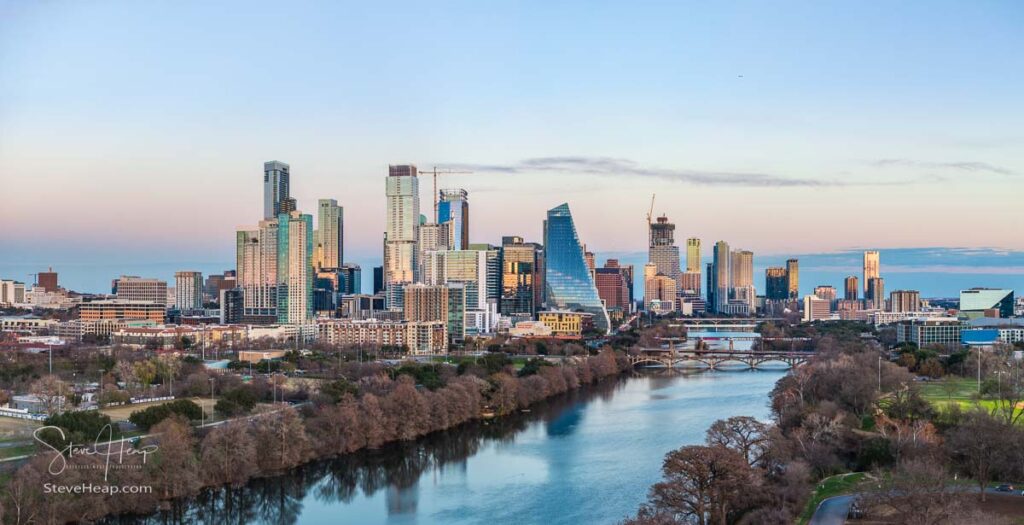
{"x":327,"y":288}
{"x":218,"y":282}
{"x":453,"y":210}
{"x":329,"y":247}
{"x":232,"y":304}
{"x":924,"y":331}
{"x":986,"y":302}
{"x":121,"y":309}
{"x":401,"y":230}
{"x":825,"y":292}
{"x":816,"y":308}
{"x":456,"y":325}
{"x":565,"y":324}
{"x":568,"y":284}
{"x":188,"y":291}
{"x":905,"y":301}
{"x":793,"y":278}
{"x":722,"y":273}
{"x":432,"y":238}
{"x":693,"y":255}
{"x":662,"y":250}
{"x":875,"y":296}
{"x":276,"y":190}
{"x":659,"y":291}
{"x":851,"y":288}
{"x":521,"y":277}
{"x":134,"y":288}
{"x":256,"y":271}
{"x":615,"y":285}
{"x":351,"y":279}
{"x":12,"y":292}
{"x":47,"y":280}
{"x":871,"y":269}
{"x":776,"y":284}
{"x":378,"y":279}
{"x":294,"y":268}
{"x":689,"y":283}
{"x":492,"y":262}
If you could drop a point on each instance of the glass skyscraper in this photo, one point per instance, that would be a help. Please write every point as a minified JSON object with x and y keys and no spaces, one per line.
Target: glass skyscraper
{"x":568,"y":283}
{"x":294,"y":268}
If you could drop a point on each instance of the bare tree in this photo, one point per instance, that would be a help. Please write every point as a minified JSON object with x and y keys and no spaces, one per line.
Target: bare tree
{"x":174,"y":466}
{"x":743,"y":434}
{"x":51,"y":392}
{"x":978,"y":446}
{"x":702,"y":483}
{"x":225,"y":452}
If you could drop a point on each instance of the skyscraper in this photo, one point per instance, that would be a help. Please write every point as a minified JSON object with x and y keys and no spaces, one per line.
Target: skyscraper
{"x":825,"y":292}
{"x":426,"y":303}
{"x":662,"y":250}
{"x":188,"y":291}
{"x":741,"y":276}
{"x":520,"y":277}
{"x":722,"y":275}
{"x":295,"y":268}
{"x":330,"y":235}
{"x":568,"y":283}
{"x":871,"y":268}
{"x":615,"y":285}
{"x":776,"y":284}
{"x":453,"y":209}
{"x":256,"y":271}
{"x":401,"y":230}
{"x":276,"y":188}
{"x":851,"y":288}
{"x":693,"y":255}
{"x":793,"y":278}
{"x":875,"y":297}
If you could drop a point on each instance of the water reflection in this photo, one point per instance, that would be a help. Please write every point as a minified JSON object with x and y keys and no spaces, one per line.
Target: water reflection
{"x":544,"y":466}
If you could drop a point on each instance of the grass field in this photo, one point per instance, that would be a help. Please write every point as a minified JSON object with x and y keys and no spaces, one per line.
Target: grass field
{"x":121,"y":413}
{"x":13,"y":429}
{"x":963,"y":392}
{"x":828,"y":487}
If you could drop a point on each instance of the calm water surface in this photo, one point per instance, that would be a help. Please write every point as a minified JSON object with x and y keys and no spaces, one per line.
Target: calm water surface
{"x":587,"y":457}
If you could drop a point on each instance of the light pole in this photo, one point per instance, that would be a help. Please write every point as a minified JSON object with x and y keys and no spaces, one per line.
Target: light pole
{"x":213,"y":398}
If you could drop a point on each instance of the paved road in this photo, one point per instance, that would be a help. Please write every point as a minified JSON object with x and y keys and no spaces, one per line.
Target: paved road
{"x":832,"y":511}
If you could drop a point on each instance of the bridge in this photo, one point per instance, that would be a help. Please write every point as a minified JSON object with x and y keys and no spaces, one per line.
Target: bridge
{"x":713,"y":359}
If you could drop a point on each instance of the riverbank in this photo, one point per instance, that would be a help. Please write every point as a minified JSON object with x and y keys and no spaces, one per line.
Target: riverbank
{"x":380,"y":411}
{"x":586,"y":456}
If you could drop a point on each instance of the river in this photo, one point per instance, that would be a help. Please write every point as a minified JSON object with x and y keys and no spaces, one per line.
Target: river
{"x":586,"y":457}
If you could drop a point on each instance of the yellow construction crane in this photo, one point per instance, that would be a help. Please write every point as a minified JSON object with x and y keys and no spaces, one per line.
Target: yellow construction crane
{"x":442,"y":171}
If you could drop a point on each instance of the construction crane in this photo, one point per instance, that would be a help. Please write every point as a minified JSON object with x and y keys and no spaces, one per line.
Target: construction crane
{"x":442,"y":171}
{"x":650,"y":212}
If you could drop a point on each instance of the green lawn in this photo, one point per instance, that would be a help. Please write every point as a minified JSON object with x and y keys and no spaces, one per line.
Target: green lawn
{"x":21,"y":450}
{"x":963,"y":393}
{"x":828,"y":487}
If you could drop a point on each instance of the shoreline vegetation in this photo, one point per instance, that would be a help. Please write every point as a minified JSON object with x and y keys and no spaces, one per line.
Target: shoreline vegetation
{"x":377,"y":407}
{"x":850,"y":410}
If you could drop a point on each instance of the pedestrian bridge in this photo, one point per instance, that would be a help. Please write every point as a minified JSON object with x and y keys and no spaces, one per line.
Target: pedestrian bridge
{"x":713,"y":359}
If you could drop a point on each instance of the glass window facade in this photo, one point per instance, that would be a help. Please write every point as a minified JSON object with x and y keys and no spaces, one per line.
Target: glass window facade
{"x":568,"y":283}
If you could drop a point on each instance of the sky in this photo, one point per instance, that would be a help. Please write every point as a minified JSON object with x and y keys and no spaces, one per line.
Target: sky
{"x":133,"y":133}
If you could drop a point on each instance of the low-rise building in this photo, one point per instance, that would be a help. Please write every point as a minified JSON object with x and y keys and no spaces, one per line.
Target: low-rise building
{"x":121,"y":309}
{"x":530,"y":329}
{"x":419,"y":337}
{"x":924,"y":331}
{"x":565,"y":324}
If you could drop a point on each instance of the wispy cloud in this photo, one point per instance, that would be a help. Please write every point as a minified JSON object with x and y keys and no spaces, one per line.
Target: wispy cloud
{"x":618,"y":167}
{"x":976,"y":167}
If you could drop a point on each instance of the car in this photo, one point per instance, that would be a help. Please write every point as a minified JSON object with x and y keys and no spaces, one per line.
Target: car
{"x":1004,"y":488}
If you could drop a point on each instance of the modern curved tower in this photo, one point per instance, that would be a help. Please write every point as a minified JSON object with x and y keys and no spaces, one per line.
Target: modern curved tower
{"x":568,"y":283}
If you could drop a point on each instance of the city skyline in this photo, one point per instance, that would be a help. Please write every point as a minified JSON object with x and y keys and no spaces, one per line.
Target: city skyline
{"x":701,"y":119}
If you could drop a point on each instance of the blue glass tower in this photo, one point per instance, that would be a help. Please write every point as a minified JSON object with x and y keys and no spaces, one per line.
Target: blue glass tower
{"x":568,"y":283}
